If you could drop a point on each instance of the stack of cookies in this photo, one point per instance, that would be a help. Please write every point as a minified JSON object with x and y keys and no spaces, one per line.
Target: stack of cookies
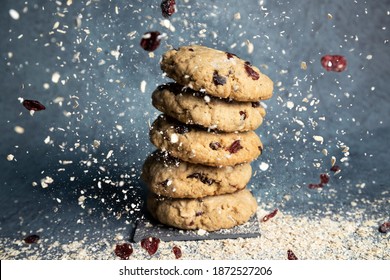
{"x":205,"y":139}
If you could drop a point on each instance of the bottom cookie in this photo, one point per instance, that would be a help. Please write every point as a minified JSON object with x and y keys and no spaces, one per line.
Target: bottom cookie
{"x":209,"y":213}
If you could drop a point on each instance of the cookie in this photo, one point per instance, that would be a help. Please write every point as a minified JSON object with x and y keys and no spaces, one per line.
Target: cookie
{"x":171,"y":177}
{"x":210,"y":213}
{"x":193,"y":107}
{"x":197,"y":145}
{"x":218,"y":73}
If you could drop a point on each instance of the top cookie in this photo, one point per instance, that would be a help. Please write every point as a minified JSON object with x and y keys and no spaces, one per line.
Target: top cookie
{"x":219,"y":73}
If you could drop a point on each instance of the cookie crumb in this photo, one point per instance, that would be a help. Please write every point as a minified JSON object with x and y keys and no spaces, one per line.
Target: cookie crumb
{"x":10,"y":157}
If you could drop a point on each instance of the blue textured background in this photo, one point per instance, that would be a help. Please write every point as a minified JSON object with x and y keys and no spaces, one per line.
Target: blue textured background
{"x":355,"y":104}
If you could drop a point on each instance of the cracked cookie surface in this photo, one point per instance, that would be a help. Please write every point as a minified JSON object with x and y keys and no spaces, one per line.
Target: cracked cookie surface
{"x":210,"y":213}
{"x":171,"y":177}
{"x":193,"y":107}
{"x":218,"y":73}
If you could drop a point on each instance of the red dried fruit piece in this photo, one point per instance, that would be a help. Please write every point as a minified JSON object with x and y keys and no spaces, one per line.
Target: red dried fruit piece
{"x":168,"y":8}
{"x":384,"y":228}
{"x":33,"y":105}
{"x":123,"y":250}
{"x":33,"y":238}
{"x":252,"y":73}
{"x":177,"y":251}
{"x":270,"y":215}
{"x":291,"y":256}
{"x":218,"y":80}
{"x":335,"y":168}
{"x":203,"y":178}
{"x":150,"y":244}
{"x":324,"y":178}
{"x":315,"y":186}
{"x":150,"y":41}
{"x":336,"y":63}
{"x":230,"y":55}
{"x":234,"y":147}
{"x":215,"y":145}
{"x":243,"y":114}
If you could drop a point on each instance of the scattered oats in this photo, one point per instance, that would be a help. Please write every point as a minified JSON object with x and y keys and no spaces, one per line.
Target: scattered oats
{"x":201,"y":232}
{"x":207,"y":98}
{"x":369,"y":57}
{"x":249,"y":46}
{"x":332,"y":161}
{"x":55,"y":77}
{"x":18,"y":129}
{"x":174,"y":138}
{"x":353,"y":204}
{"x":10,"y":55}
{"x":34,"y":184}
{"x":119,"y":127}
{"x":167,"y":24}
{"x":318,"y":138}
{"x":69,"y":2}
{"x":56,"y":25}
{"x":303,"y":65}
{"x":117,"y":10}
{"x":151,"y":54}
{"x":290,"y":104}
{"x":116,"y":53}
{"x":299,"y":122}
{"x":99,"y":49}
{"x":324,"y":152}
{"x":66,"y":162}
{"x":109,"y":154}
{"x":263,"y":166}
{"x":58,"y":200}
{"x":330,"y":16}
{"x":47,"y":140}
{"x":237,"y":16}
{"x":10,"y":157}
{"x":96,"y":144}
{"x":143,"y":86}
{"x":14,"y":14}
{"x":45,"y":182}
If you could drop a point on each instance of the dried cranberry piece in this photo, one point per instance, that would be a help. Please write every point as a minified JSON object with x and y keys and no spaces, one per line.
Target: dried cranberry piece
{"x":385,"y":227}
{"x":251,"y":73}
{"x":315,"y":186}
{"x":168,"y":8}
{"x":335,"y":168}
{"x":324,"y":178}
{"x":150,"y":41}
{"x":256,"y":104}
{"x":260,"y":149}
{"x":336,"y":63}
{"x":270,"y":215}
{"x":150,"y":244}
{"x":234,"y":147}
{"x":33,"y":105}
{"x":243,"y":114}
{"x":215,"y":145}
{"x":203,"y":178}
{"x":230,"y":55}
{"x":291,"y":256}
{"x":199,"y":213}
{"x":181,"y":129}
{"x":123,"y":250}
{"x":177,"y":251}
{"x":218,"y":80}
{"x":191,"y":49}
{"x":33,"y":238}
